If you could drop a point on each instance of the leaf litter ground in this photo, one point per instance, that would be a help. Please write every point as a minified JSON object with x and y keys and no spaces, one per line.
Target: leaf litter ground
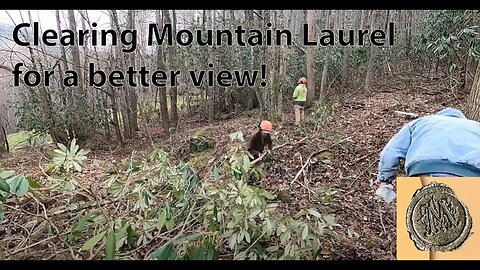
{"x":339,"y":181}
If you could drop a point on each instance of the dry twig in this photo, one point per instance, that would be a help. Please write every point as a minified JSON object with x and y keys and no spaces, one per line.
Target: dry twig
{"x":315,"y":154}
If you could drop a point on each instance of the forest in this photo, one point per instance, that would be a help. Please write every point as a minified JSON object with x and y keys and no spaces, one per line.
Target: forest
{"x":143,"y":156}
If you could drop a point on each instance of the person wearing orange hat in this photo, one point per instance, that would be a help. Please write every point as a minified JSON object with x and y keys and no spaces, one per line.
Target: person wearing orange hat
{"x":261,"y":139}
{"x":300,"y":100}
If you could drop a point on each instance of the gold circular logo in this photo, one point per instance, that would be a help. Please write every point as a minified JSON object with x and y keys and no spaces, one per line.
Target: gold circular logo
{"x":437,"y":220}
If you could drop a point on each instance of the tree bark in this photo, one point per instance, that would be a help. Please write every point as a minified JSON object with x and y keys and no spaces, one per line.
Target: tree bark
{"x":162,"y":91}
{"x":133,"y":118}
{"x":347,"y":53}
{"x":211,"y":59}
{"x":331,"y":22}
{"x":282,"y":72}
{"x":115,"y":106}
{"x":104,"y":95}
{"x":473,"y":102}
{"x":249,"y":21}
{"x":3,"y":137}
{"x":469,"y":73}
{"x":172,"y":51}
{"x":63,"y":59}
{"x":125,"y":99}
{"x":371,"y":59}
{"x":76,"y":55}
{"x":311,"y":51}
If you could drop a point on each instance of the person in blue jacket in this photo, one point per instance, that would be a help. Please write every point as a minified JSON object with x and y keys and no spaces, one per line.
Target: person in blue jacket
{"x":446,"y":144}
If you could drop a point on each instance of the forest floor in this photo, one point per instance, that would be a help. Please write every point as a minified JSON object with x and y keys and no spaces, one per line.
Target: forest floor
{"x":340,"y":181}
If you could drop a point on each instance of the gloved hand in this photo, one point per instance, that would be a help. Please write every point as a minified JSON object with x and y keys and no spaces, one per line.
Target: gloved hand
{"x":386,"y":192}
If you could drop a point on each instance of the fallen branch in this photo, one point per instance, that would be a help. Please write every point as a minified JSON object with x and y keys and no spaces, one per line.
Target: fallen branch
{"x":35,"y":244}
{"x":274,"y":148}
{"x":306,"y":181}
{"x":289,"y":143}
{"x":72,"y":251}
{"x":381,"y":221}
{"x":414,"y":115}
{"x":449,"y":100}
{"x":350,"y":192}
{"x":360,"y":159}
{"x":315,"y":154}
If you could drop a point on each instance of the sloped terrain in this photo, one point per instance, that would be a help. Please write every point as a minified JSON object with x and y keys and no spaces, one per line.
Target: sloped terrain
{"x":339,"y":180}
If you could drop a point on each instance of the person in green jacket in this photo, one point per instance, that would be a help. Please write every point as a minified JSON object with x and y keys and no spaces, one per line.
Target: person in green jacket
{"x":299,"y":100}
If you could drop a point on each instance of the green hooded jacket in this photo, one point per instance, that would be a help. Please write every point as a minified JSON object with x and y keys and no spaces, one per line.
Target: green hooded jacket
{"x":300,"y":93}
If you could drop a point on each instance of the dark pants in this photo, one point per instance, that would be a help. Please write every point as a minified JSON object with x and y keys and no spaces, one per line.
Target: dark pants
{"x":252,"y":180}
{"x":300,"y":103}
{"x":255,"y":154}
{"x":436,"y":175}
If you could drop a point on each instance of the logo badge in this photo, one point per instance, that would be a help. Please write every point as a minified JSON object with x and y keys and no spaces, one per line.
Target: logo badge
{"x":437,"y":220}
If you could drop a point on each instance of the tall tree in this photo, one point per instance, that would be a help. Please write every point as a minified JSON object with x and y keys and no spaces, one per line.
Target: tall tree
{"x":76,"y":55}
{"x":254,"y":52}
{"x":347,"y":50}
{"x":211,"y":56}
{"x":173,"y":59}
{"x":132,"y":93}
{"x":311,"y":52}
{"x":63,"y":58}
{"x":324,"y":82}
{"x":373,"y":53}
{"x":101,"y":93}
{"x":162,"y":90}
{"x":125,"y":99}
{"x":255,"y":55}
{"x":282,"y":72}
{"x":268,"y":54}
{"x":112,"y":93}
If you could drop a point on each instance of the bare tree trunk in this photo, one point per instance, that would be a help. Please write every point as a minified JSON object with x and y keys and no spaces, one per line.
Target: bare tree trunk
{"x":79,"y":97}
{"x":371,"y":59}
{"x":469,"y":73}
{"x":125,"y":99}
{"x":267,"y":55}
{"x":362,"y":19}
{"x":323,"y":83}
{"x":104,"y":96}
{"x":63,"y":59}
{"x":162,"y":91}
{"x":211,"y":57}
{"x":473,"y":103}
{"x":408,"y":31}
{"x":347,"y":53}
{"x":255,"y":55}
{"x":249,"y":25}
{"x":76,"y":55}
{"x":271,"y":60}
{"x":172,"y":50}
{"x":311,"y":52}
{"x":115,"y":107}
{"x":387,"y":68}
{"x":85,"y":55}
{"x":133,"y":117}
{"x":3,"y":137}
{"x":282,"y":72}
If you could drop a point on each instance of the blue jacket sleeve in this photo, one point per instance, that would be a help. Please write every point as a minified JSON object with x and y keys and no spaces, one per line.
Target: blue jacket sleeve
{"x":391,"y":154}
